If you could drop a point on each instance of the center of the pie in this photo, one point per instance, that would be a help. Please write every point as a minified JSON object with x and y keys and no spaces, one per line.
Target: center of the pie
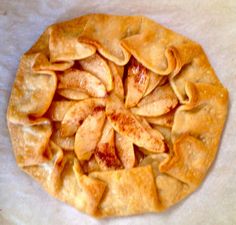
{"x":112,"y":116}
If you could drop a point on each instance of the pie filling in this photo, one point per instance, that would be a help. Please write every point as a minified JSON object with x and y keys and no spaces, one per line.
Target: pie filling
{"x":107,"y":129}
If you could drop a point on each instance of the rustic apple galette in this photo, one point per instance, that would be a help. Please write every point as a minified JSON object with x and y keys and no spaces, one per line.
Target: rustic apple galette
{"x":116,"y":115}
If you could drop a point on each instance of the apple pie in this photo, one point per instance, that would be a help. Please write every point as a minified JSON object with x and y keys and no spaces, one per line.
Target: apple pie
{"x":116,"y":115}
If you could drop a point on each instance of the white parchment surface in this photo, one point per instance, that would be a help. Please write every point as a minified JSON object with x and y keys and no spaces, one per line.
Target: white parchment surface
{"x":211,"y":23}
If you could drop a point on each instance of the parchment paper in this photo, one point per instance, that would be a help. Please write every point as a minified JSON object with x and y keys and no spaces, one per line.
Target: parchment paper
{"x":211,"y":23}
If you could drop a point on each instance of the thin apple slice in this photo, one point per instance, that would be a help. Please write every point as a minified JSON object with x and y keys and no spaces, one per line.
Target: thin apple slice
{"x":74,"y":78}
{"x":136,"y":82}
{"x":125,"y":123}
{"x":165,"y":120}
{"x":159,"y":102}
{"x":88,"y":135}
{"x":58,"y":109}
{"x":78,"y":112}
{"x":73,"y":93}
{"x":97,"y":66}
{"x":66,"y":143}
{"x":105,"y":153}
{"x":148,"y":127}
{"x":125,"y":150}
{"x":152,"y":131}
{"x":154,"y":81}
{"x":118,"y":84}
{"x":163,"y":92}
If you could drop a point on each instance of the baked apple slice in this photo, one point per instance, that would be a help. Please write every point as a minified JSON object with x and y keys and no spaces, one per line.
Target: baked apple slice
{"x":88,"y":135}
{"x":58,"y":109}
{"x":165,"y":120}
{"x":136,"y":83}
{"x":148,"y":128}
{"x":160,"y":101}
{"x":74,"y":78}
{"x":154,"y":81}
{"x":78,"y":112}
{"x":73,"y":93}
{"x":125,"y":123}
{"x":98,"y":66}
{"x":125,"y":150}
{"x":105,"y":153}
{"x":66,"y":143}
{"x":117,"y":76}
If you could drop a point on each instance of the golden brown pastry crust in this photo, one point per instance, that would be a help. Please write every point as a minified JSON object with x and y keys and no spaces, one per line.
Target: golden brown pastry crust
{"x":192,"y":131}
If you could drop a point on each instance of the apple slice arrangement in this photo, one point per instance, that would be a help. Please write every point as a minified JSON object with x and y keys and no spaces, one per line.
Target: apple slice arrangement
{"x":108,"y":114}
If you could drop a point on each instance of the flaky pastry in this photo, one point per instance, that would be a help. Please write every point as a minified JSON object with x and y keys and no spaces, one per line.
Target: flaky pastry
{"x":116,"y":115}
